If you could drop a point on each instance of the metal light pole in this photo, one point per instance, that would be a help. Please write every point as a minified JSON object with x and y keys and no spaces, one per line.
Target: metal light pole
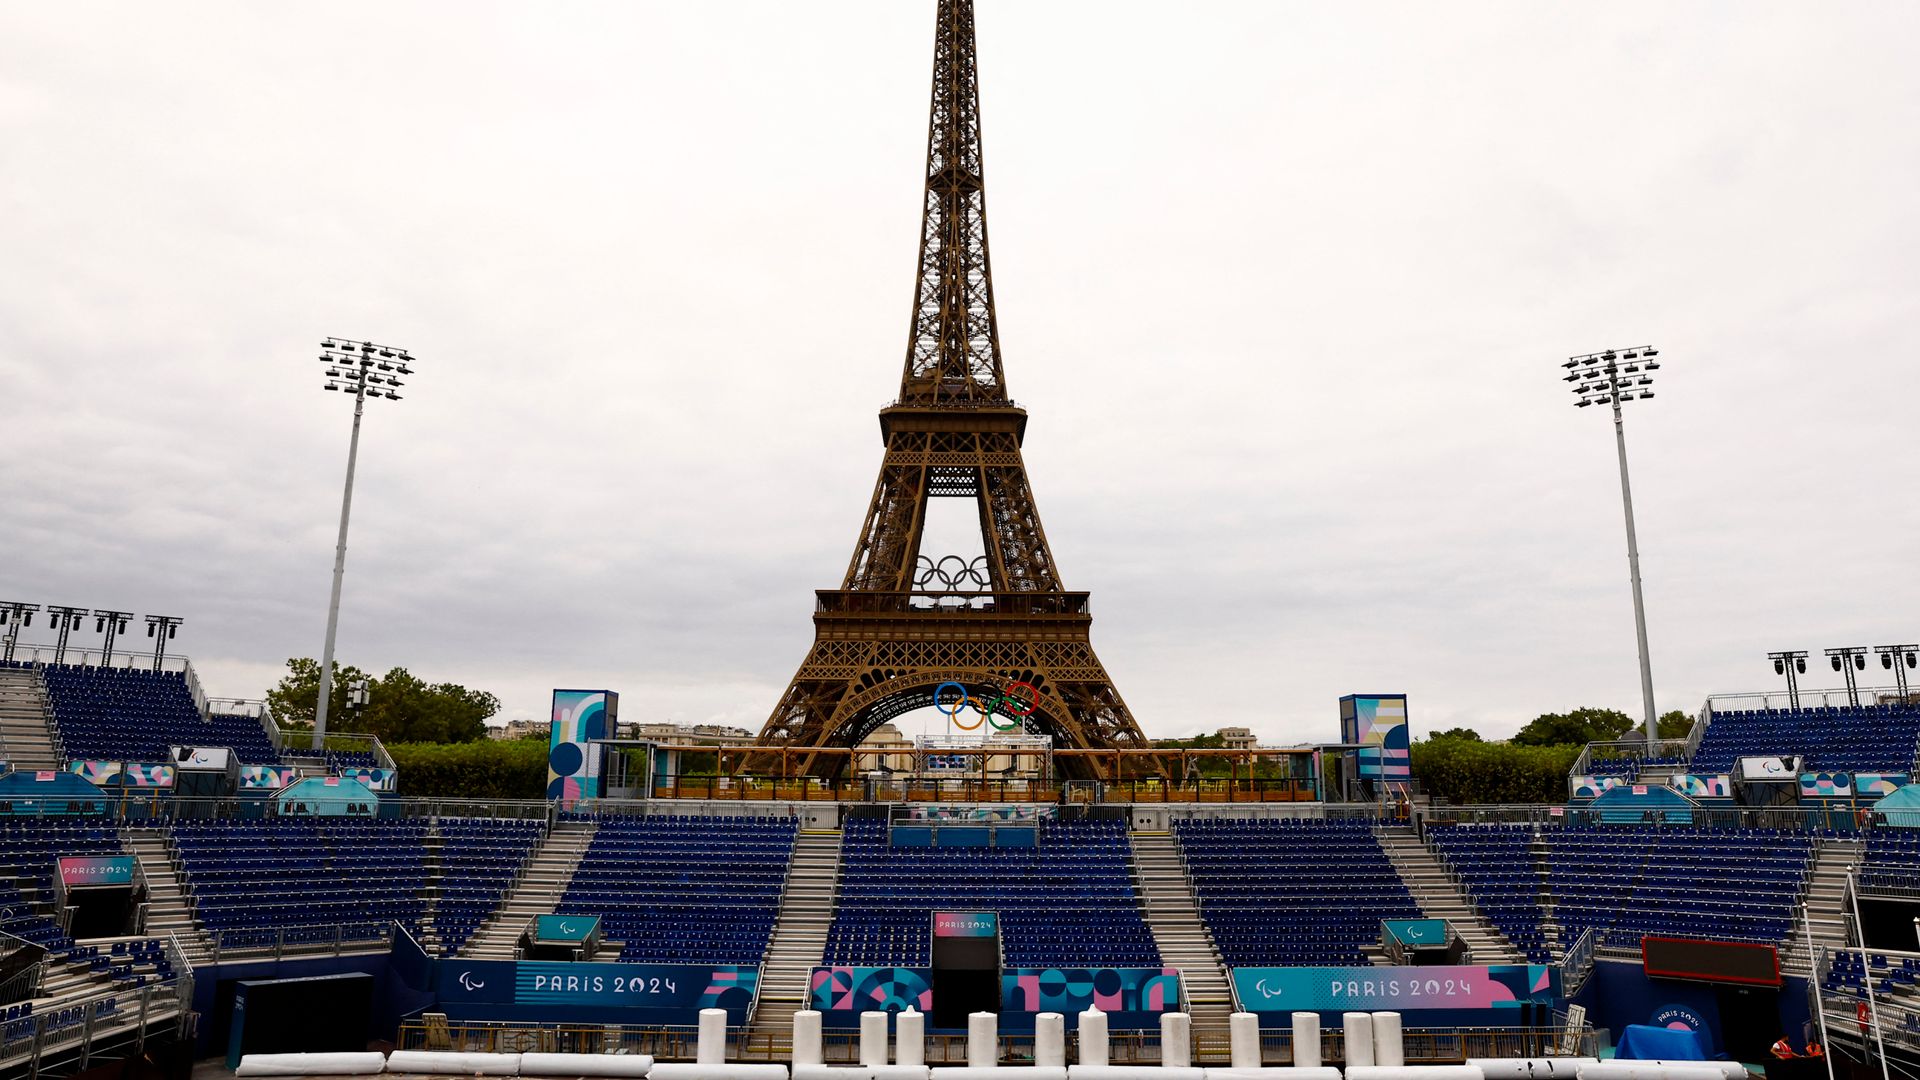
{"x":14,"y":615}
{"x":1848,"y":660}
{"x":66,"y":620}
{"x":364,"y":370}
{"x":112,"y":624}
{"x":1614,"y":378}
{"x":1891,"y":657}
{"x":1792,"y":664}
{"x":161,"y":629}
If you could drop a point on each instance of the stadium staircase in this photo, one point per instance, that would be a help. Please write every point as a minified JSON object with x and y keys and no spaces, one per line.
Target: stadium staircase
{"x":1173,"y":915}
{"x":537,"y":892}
{"x":26,"y":731}
{"x":800,"y":934}
{"x":1826,"y":900}
{"x":1439,"y":896}
{"x":168,"y":911}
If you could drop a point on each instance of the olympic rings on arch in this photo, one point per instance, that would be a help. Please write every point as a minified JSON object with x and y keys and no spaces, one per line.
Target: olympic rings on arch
{"x":957,"y":702}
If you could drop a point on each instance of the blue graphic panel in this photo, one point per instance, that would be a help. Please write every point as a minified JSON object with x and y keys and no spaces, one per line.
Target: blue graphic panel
{"x":616,"y":993}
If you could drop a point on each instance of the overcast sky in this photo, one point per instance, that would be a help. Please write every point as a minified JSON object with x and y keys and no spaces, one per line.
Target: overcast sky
{"x":1283,"y":286}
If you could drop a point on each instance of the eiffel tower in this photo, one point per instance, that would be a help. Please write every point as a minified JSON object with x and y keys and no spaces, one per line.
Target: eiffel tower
{"x":903,"y":623}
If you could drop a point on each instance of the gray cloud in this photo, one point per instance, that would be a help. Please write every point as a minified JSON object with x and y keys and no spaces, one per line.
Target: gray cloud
{"x":1283,"y":286}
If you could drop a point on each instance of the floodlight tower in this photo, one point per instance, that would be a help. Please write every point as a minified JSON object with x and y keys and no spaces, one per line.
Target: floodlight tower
{"x":364,"y":370}
{"x":1892,"y":657}
{"x":1615,"y":378}
{"x":161,"y":629}
{"x":14,"y":615}
{"x":1792,"y":664}
{"x":65,"y":620}
{"x":112,"y":624}
{"x":1848,"y":660}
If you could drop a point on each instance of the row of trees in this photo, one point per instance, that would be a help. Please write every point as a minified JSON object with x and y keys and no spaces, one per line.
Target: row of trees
{"x":401,"y":707}
{"x":1461,"y":767}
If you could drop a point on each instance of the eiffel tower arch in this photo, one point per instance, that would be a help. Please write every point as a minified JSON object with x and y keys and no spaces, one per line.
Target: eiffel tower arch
{"x":904,"y":622}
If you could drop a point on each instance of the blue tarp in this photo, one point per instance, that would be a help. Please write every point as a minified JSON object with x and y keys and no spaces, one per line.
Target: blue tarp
{"x":1630,"y":805}
{"x":40,"y":793}
{"x":1644,"y":1042}
{"x":329,"y":796}
{"x":1902,"y":808}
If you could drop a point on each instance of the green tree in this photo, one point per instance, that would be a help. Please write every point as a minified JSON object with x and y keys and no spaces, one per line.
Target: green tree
{"x":484,"y":769}
{"x":1468,"y":734}
{"x":401,"y":707}
{"x":1673,"y":725}
{"x":1471,"y":771}
{"x":1576,"y":728}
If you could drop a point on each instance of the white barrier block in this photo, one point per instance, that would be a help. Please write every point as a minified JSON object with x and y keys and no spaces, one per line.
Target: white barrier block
{"x":910,"y":1037}
{"x":832,"y":1072}
{"x":1011,"y":1072}
{"x":900,"y":1072}
{"x":335,"y":1064}
{"x":1388,"y":1047}
{"x":873,"y":1038}
{"x":1050,"y":1040}
{"x":1093,"y":1038}
{"x":712,"y":1049}
{"x":807,"y":1045}
{"x":1732,"y":1070}
{"x":1357,"y":1030}
{"x":681,"y":1070}
{"x":1654,"y":1070}
{"x":1549,"y":1068}
{"x":1243,"y":1040}
{"x":585,"y":1064}
{"x":1306,"y":1040}
{"x":1415,"y":1072}
{"x":1277,"y":1073}
{"x":983,"y":1041}
{"x":1176,"y":1041}
{"x":1121,"y":1072}
{"x":443,"y":1062}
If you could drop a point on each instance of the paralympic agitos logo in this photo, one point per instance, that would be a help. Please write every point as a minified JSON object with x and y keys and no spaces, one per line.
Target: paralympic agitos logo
{"x":1012,"y":704}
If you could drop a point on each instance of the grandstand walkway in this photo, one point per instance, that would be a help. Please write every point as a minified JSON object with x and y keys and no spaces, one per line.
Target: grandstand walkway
{"x":26,"y":729}
{"x":800,"y":932}
{"x":1825,"y":900}
{"x":1439,"y":896}
{"x":168,"y":911}
{"x":1173,"y":915}
{"x":537,"y":892}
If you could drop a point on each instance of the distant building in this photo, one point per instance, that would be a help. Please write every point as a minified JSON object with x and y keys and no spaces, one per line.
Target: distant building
{"x":517,"y":729}
{"x":1238,"y":738}
{"x":672,"y":734}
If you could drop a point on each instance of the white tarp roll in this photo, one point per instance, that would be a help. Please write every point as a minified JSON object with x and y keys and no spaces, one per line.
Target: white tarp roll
{"x":806,"y":1038}
{"x":1115,"y":1072}
{"x":570,"y":1065}
{"x":1732,"y":1070}
{"x":1306,"y":1040}
{"x":873,"y":1038}
{"x":983,"y":1040}
{"x":910,"y":1037}
{"x":1415,"y":1072}
{"x":1652,"y":1070}
{"x":687,"y":1070}
{"x":1532,"y":1068}
{"x":1050,"y":1040}
{"x":1243,"y":1039}
{"x":365,"y":1063}
{"x":1358,"y":1030}
{"x":1389,"y":1049}
{"x":1176,"y":1041}
{"x":712,"y":1049}
{"x":444,"y":1062}
{"x":1093,"y":1037}
{"x":1215,"y":1072}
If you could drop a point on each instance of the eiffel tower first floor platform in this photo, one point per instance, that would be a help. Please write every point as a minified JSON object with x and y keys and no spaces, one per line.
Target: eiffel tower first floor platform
{"x":879,"y":655}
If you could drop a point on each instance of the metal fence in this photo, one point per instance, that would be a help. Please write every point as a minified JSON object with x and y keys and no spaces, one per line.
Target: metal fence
{"x":1210,"y":1043}
{"x":1144,"y":790}
{"x":99,"y":1026}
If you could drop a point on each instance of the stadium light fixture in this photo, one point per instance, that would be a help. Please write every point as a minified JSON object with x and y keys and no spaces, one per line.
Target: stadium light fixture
{"x":112,"y":624}
{"x":1848,"y":661}
{"x":65,"y":620}
{"x":1792,"y":664}
{"x":1615,"y":377}
{"x":1899,"y":659}
{"x":364,"y":370}
{"x":14,"y":615}
{"x":161,"y":629}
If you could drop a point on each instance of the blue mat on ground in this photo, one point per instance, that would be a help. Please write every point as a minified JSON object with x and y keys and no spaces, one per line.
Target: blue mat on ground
{"x":1644,"y":1042}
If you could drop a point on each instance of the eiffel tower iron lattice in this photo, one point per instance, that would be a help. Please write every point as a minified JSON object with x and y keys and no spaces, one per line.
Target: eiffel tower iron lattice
{"x":902,"y":624}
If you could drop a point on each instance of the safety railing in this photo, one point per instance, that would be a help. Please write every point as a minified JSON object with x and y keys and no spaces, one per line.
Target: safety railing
{"x":335,"y":939}
{"x":79,"y":656}
{"x":1577,"y":965}
{"x":1809,"y":699}
{"x":1076,"y":792}
{"x":1210,"y":1043}
{"x":96,"y":1026}
{"x":31,"y":960}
